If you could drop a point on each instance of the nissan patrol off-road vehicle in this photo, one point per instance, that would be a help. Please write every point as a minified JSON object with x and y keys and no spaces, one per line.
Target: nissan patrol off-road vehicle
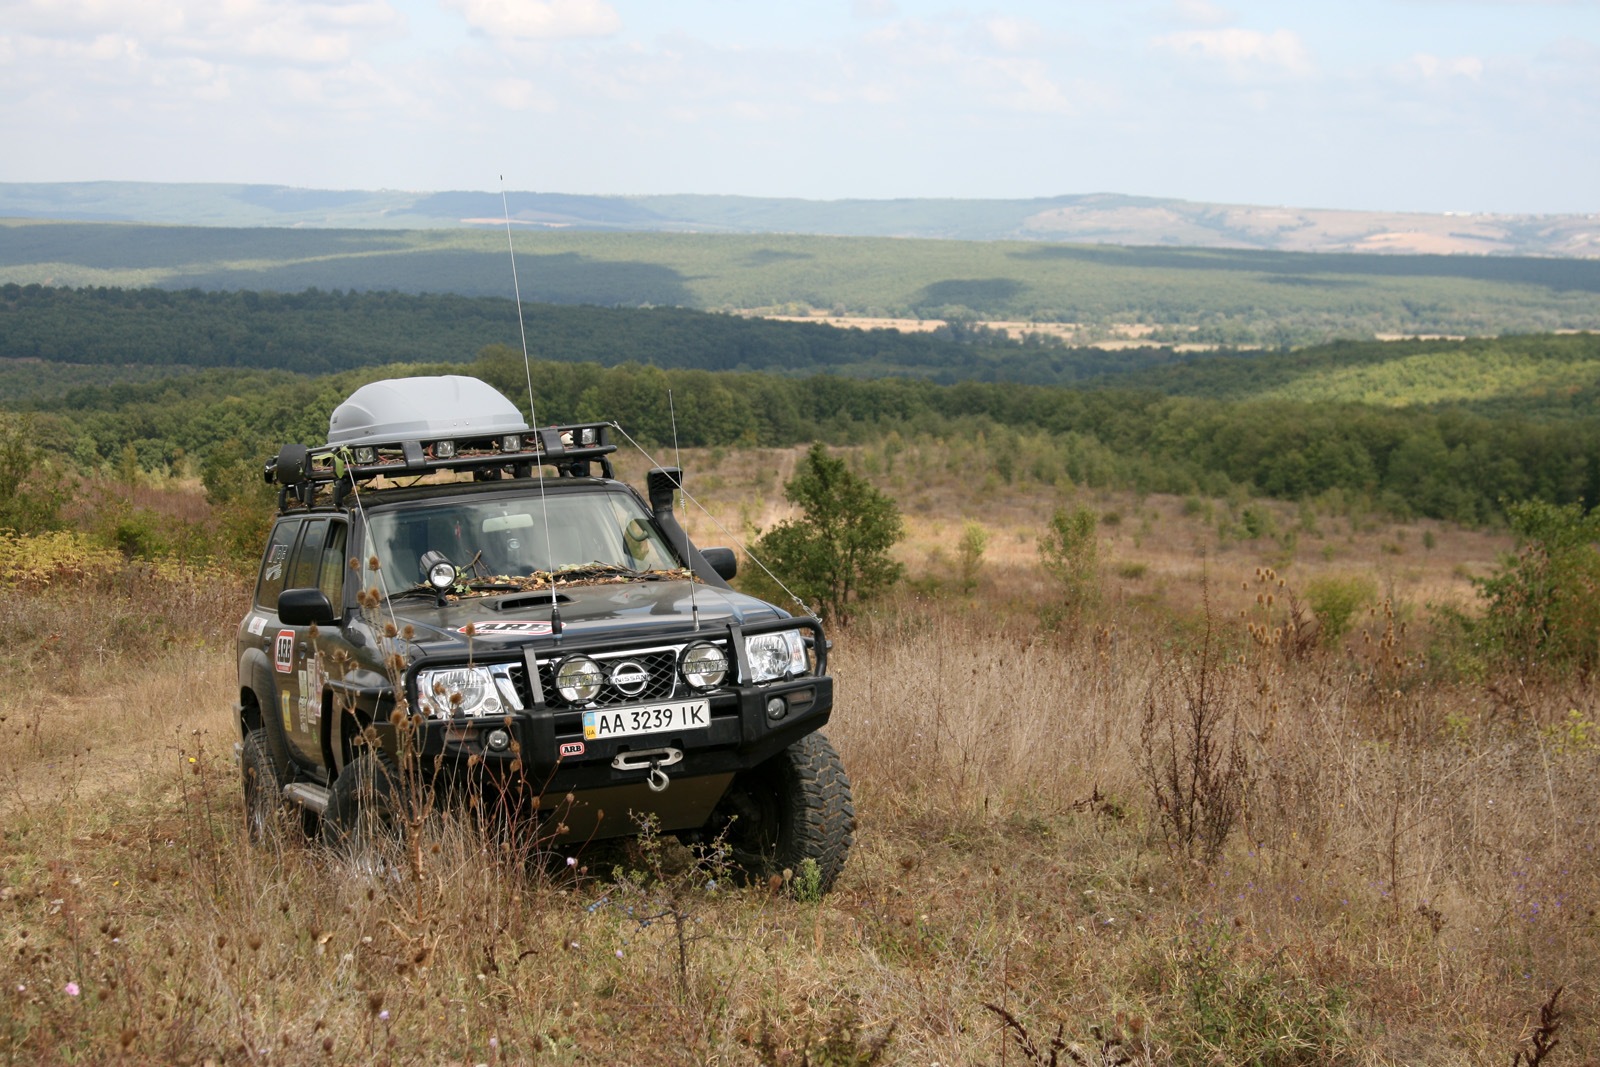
{"x":452,"y":599}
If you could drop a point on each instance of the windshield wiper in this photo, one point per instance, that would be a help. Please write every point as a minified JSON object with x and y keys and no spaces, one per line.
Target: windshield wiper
{"x":422,"y":589}
{"x":572,"y":570}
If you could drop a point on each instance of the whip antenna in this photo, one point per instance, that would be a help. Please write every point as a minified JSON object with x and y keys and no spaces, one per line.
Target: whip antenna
{"x":533,"y":412}
{"x":677,"y":459}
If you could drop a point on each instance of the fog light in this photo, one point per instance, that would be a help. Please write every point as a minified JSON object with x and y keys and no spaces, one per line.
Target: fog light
{"x":511,"y":443}
{"x":498,"y":740}
{"x":777,"y":708}
{"x":444,"y":450}
{"x":578,"y":679}
{"x":366,"y":455}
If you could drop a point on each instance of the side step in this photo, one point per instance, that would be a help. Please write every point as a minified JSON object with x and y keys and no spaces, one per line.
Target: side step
{"x":308,"y":795}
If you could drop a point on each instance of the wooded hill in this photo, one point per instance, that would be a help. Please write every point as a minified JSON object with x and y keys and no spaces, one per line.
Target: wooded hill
{"x":168,"y":380}
{"x":1105,"y":218}
{"x":1450,"y":464}
{"x":1229,"y":297}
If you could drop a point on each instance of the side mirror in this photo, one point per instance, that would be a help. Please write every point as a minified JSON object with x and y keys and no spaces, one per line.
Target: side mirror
{"x":722,"y":561}
{"x":304,"y":607}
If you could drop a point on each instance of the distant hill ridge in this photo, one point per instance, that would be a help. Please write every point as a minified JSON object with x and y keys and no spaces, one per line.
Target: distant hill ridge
{"x":1097,"y":218}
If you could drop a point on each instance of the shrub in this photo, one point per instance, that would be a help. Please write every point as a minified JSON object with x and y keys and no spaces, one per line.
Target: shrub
{"x":974,"y":540}
{"x":1543,"y":611}
{"x":838,"y":553}
{"x":32,"y":489}
{"x":1070,"y":554}
{"x":1335,"y":601}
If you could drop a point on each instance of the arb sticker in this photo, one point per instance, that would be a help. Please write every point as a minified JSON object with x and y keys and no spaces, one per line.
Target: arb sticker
{"x":506,"y":628}
{"x":283,"y":651}
{"x":571,"y":748}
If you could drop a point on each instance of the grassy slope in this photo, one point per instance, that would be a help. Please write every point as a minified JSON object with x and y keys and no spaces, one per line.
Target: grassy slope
{"x":1232,"y":296}
{"x":1412,"y":878}
{"x":1545,"y":375}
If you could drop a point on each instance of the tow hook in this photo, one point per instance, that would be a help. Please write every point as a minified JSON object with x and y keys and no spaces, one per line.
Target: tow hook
{"x":651,"y":760}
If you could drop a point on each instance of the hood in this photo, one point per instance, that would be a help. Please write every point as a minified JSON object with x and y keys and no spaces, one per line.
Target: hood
{"x":618,"y":609}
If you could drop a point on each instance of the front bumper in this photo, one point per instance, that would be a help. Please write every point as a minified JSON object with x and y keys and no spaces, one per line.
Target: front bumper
{"x":542,"y":748}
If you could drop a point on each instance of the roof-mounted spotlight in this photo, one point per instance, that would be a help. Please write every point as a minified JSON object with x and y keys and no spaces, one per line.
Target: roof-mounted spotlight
{"x":438,"y":572}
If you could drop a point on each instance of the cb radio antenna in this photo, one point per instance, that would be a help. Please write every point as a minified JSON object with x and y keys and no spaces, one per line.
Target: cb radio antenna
{"x":533,"y":412}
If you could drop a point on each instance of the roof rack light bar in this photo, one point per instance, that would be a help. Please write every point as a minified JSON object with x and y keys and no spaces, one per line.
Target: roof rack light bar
{"x":555,"y":445}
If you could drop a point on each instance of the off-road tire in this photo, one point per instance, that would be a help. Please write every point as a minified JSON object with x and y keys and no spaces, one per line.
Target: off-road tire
{"x":794,"y":807}
{"x":364,"y":815}
{"x":264,"y":806}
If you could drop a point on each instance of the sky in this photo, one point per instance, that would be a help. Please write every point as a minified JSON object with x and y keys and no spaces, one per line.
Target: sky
{"x":1396,"y":105}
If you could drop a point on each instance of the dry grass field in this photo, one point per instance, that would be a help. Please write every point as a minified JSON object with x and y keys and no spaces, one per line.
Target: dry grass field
{"x":1112,"y":337}
{"x":1170,"y":825}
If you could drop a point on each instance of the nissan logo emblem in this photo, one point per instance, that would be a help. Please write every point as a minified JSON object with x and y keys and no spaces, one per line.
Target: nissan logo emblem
{"x":629,"y":678}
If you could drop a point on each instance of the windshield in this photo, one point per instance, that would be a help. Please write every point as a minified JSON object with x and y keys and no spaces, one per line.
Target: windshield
{"x":506,"y":536}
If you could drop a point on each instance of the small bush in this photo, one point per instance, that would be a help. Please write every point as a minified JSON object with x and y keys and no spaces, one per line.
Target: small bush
{"x":1543,"y":603}
{"x":1335,"y":601}
{"x":1071,"y":555}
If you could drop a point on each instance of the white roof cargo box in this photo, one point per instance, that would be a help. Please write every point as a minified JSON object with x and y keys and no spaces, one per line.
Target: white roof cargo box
{"x":413,"y":409}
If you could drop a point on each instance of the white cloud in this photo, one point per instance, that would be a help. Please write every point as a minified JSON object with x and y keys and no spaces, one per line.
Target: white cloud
{"x":296,"y":32}
{"x":540,"y":20}
{"x":1200,"y":13}
{"x":1241,"y":49}
{"x":520,"y":94}
{"x":1433,"y":68}
{"x":873,"y":9}
{"x":1012,"y":34}
{"x":1024,"y":85}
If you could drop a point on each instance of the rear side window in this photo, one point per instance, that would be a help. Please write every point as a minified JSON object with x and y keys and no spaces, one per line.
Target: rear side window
{"x":275,"y":563}
{"x":306,"y":563}
{"x":330,"y":574}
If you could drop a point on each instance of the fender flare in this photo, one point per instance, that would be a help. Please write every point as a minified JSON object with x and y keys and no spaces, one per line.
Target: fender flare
{"x":256,"y":675}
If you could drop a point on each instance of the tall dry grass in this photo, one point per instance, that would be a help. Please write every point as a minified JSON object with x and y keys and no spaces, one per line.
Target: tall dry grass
{"x":1409,"y":873}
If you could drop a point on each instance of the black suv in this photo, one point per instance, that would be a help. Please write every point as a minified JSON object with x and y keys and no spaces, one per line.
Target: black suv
{"x":452,"y":601}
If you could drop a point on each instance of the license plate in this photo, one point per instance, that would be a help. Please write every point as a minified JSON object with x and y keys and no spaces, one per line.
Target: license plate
{"x":651,"y":719}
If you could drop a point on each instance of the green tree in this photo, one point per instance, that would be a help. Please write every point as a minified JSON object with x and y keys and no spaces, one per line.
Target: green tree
{"x":1070,"y":554}
{"x":1543,"y":603}
{"x":837,"y":553}
{"x":974,"y":541}
{"x":32,"y":488}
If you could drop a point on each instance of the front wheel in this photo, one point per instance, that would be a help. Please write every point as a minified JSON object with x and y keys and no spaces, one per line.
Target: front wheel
{"x":263,"y":791}
{"x":364,"y":814}
{"x":793,"y":808}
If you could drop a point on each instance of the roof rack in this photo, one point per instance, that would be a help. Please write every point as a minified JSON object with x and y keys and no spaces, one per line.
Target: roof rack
{"x":572,"y":449}
{"x":405,"y":427}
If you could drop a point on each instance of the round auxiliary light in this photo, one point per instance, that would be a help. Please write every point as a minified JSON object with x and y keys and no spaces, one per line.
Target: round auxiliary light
{"x":438,"y":570}
{"x":499,"y":740}
{"x":578,"y":679}
{"x":777,"y":708}
{"x":704,"y":665}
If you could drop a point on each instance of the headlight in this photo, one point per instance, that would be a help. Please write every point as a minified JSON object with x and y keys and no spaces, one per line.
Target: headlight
{"x":779,"y":655}
{"x":578,"y":679}
{"x":458,"y":691}
{"x":704,"y":666}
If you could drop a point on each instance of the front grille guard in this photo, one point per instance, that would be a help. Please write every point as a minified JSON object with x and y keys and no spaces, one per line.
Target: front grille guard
{"x":538,"y":660}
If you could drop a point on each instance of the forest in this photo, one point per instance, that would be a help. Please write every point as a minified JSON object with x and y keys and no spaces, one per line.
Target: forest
{"x":1441,"y":462}
{"x":1211,"y":296}
{"x":317,"y":332}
